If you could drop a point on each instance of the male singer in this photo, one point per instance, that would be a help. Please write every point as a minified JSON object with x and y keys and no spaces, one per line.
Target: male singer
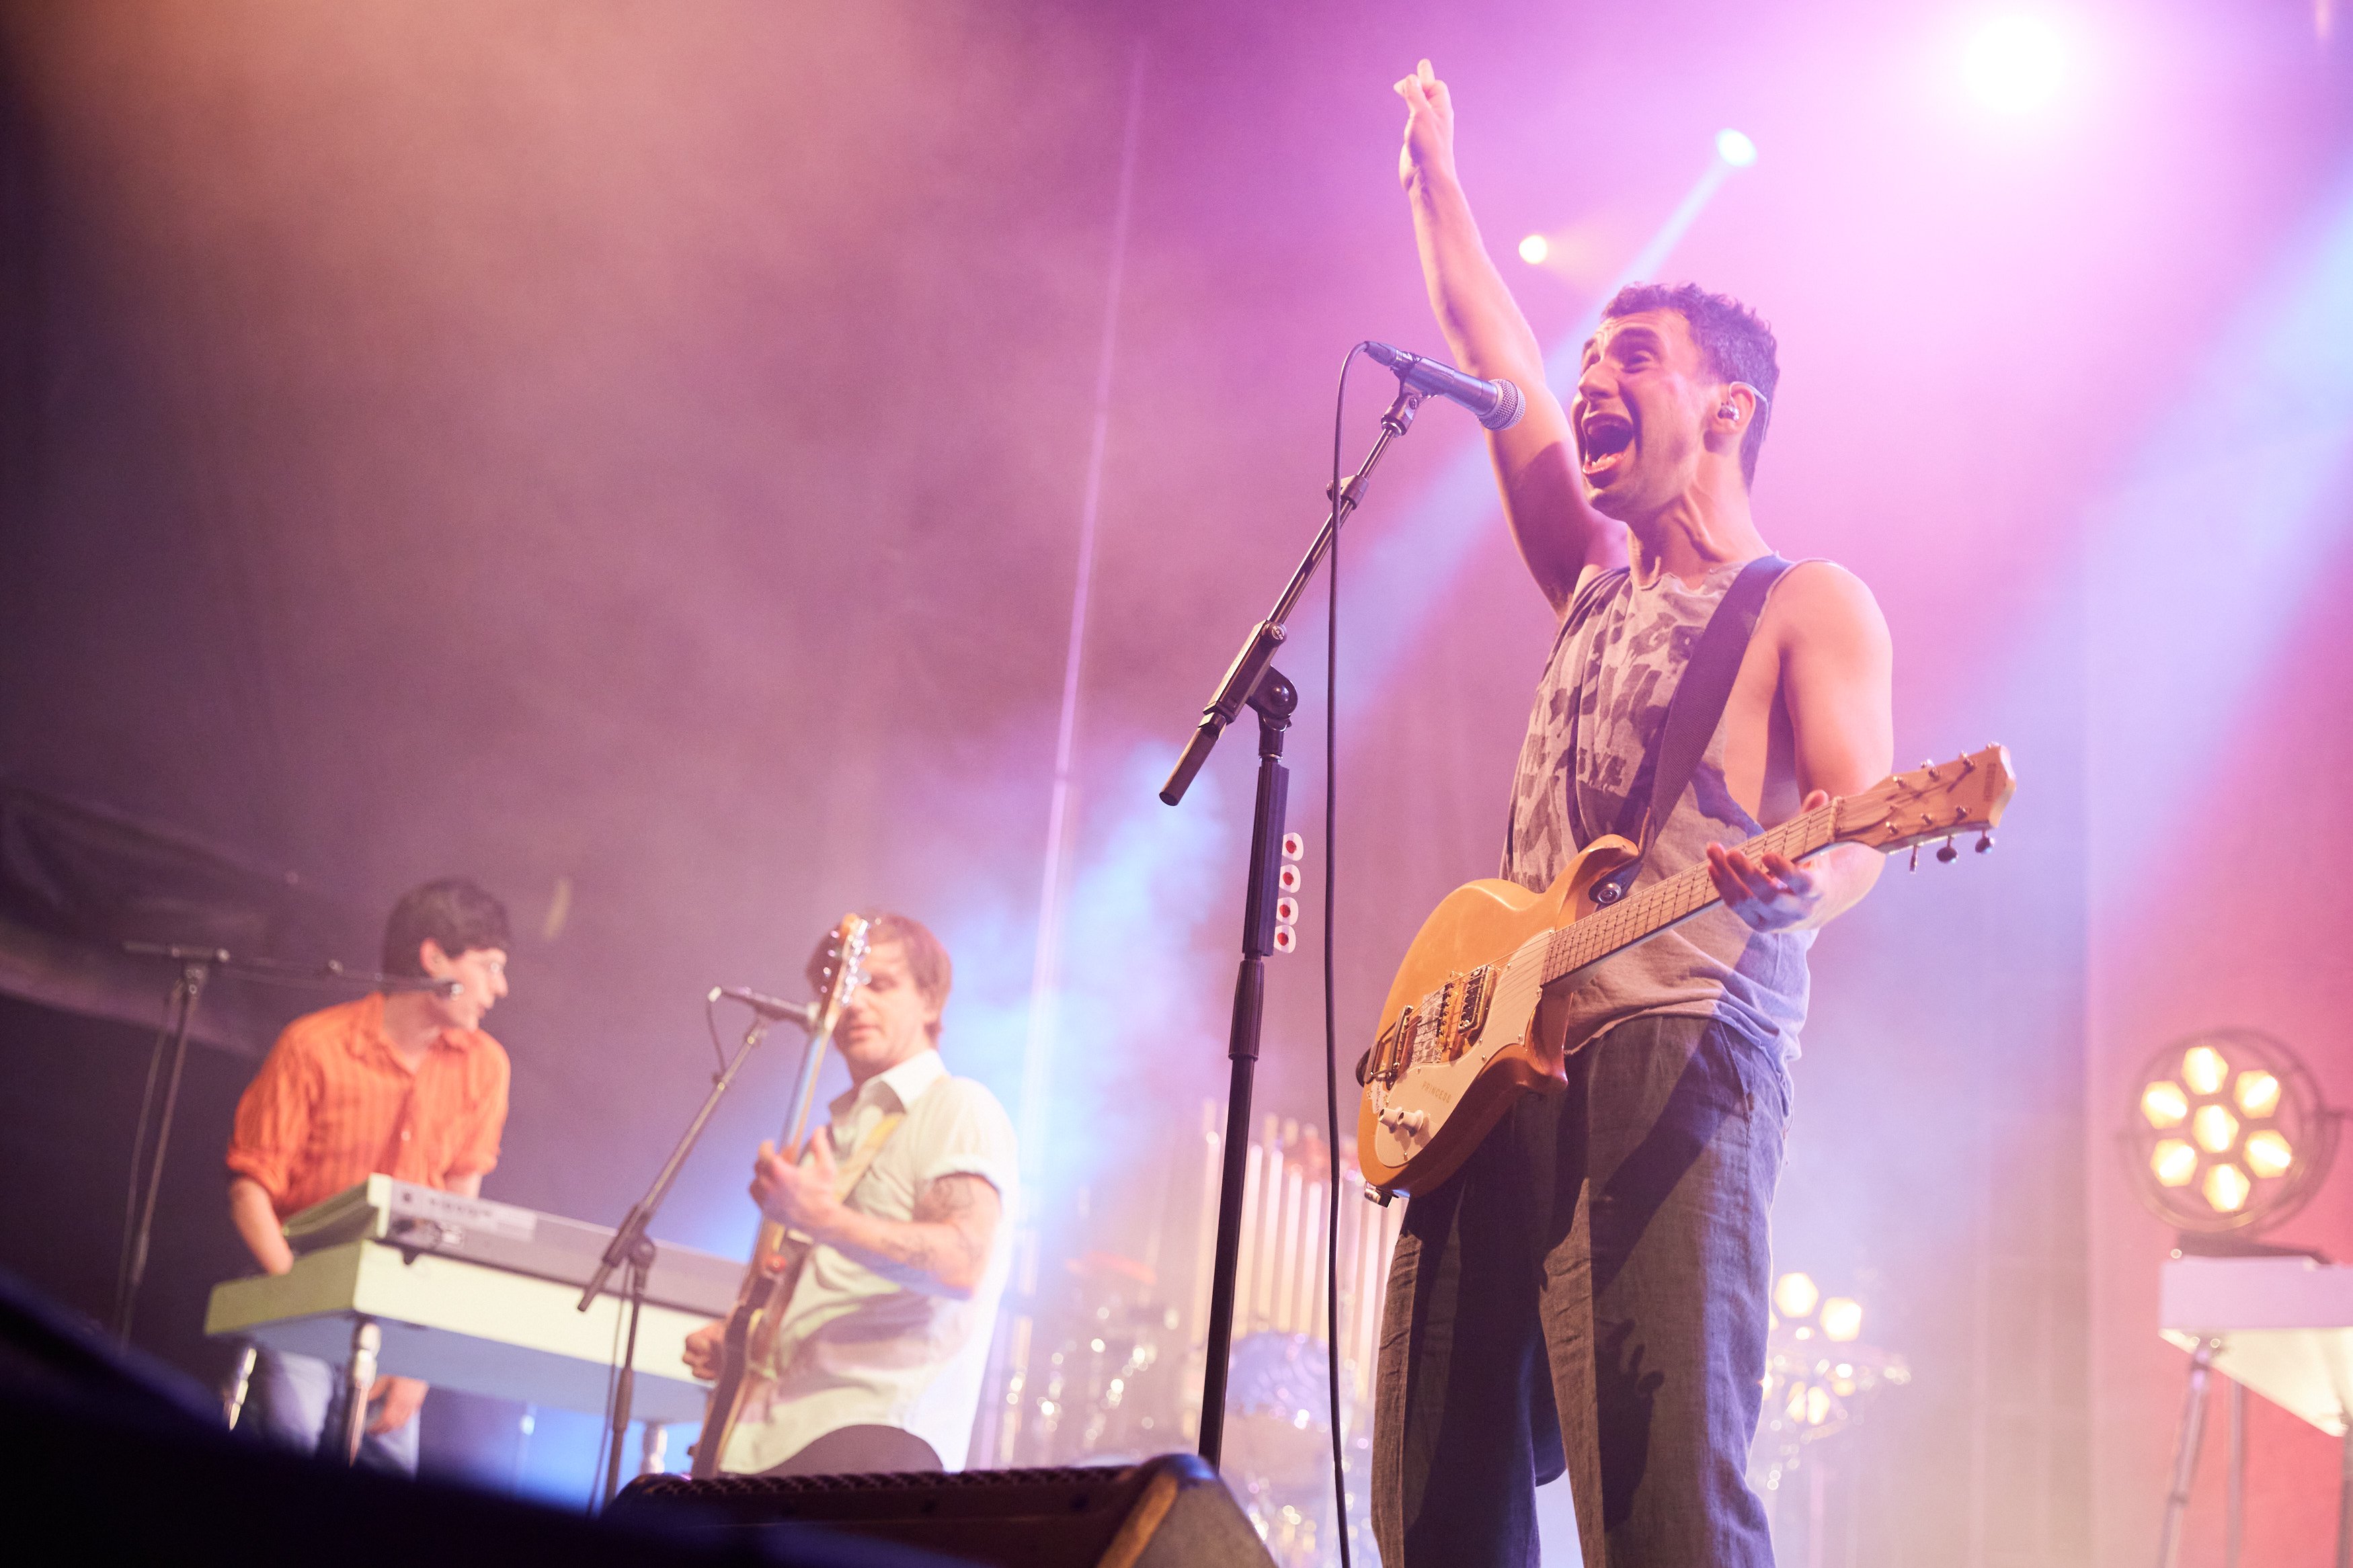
{"x":1590,"y":1288}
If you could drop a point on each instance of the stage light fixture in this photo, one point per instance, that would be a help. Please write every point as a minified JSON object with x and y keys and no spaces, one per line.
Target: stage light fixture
{"x":1819,"y":1377}
{"x":1535,"y":249}
{"x":2226,"y":1134}
{"x":1735,"y":148}
{"x":2015,"y":63}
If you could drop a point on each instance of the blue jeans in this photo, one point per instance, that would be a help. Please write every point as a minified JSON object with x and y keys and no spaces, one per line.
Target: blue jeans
{"x":296,"y":1401}
{"x":1591,"y":1290}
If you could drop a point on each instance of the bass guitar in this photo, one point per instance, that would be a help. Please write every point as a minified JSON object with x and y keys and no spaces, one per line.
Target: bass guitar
{"x":1473,"y":1019}
{"x":777,"y":1253}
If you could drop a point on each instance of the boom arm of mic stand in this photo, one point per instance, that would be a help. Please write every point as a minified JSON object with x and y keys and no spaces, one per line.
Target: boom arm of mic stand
{"x":641,"y":1213}
{"x":1258,"y":652}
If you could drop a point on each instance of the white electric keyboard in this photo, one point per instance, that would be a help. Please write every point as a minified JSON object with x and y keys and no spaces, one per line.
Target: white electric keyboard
{"x":478,"y":1296}
{"x":2284,"y":1327}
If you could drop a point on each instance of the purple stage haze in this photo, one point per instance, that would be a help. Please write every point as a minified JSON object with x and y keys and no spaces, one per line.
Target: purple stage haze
{"x":638,"y":450}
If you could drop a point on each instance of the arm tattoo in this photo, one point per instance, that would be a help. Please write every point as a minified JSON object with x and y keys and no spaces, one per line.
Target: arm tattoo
{"x":946,"y":1243}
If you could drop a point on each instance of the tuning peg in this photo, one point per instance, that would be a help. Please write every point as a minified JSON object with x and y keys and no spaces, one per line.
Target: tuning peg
{"x":1947,"y":855}
{"x":1915,"y":858}
{"x":1985,"y":842}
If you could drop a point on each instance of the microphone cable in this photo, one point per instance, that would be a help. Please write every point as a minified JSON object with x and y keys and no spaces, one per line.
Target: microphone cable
{"x":1331,"y":1019}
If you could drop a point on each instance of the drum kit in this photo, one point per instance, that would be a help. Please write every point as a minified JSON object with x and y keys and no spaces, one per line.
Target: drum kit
{"x":1122,"y":1378}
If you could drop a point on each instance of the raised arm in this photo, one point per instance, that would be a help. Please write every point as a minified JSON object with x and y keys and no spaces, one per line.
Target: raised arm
{"x":1560,"y":536}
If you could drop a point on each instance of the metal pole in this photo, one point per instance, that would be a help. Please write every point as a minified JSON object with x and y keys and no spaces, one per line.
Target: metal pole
{"x":2345,"y":1498}
{"x":2234,"y":1512}
{"x":146,"y":1167}
{"x":359,"y":1378}
{"x":1274,"y":700}
{"x":2185,"y":1453}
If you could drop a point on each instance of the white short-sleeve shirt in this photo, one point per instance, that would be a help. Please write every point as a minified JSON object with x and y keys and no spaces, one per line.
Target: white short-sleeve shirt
{"x":857,"y":1348}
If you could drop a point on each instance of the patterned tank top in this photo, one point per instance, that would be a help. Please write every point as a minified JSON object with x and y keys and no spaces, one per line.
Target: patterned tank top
{"x":1599,"y":711}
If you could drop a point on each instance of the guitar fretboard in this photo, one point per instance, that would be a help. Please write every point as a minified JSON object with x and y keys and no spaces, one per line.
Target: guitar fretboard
{"x":1668,"y":902}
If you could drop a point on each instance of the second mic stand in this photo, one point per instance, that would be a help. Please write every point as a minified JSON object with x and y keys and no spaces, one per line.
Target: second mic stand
{"x":633,"y":1249}
{"x":1252,"y":679}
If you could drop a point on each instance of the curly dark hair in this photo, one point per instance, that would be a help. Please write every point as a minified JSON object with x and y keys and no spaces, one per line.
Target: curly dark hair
{"x":927,"y":960}
{"x":1733,"y":341}
{"x":453,"y":911}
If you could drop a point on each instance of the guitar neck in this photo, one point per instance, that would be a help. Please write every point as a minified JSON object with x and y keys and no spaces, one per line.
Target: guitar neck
{"x":1669,"y":902}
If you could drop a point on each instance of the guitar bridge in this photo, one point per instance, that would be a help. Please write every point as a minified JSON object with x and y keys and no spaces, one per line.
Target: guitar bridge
{"x":1395,"y":1048}
{"x":1471,"y":996}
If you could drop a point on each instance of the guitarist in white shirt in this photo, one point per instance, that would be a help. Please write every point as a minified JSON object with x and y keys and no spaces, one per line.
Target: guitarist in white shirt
{"x":1589,"y":1292}
{"x":878,"y":1360}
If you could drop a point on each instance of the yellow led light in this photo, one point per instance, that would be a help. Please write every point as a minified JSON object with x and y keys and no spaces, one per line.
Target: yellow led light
{"x":2173,"y":1162}
{"x":2164,"y":1104}
{"x":2258,"y":1094}
{"x":1796,"y":1295}
{"x":2214,"y":1128}
{"x":1841,"y":1318}
{"x":1818,"y":1407}
{"x":2204,"y":1071}
{"x":2268,"y":1153}
{"x":2226,"y":1187}
{"x":1535,"y":249}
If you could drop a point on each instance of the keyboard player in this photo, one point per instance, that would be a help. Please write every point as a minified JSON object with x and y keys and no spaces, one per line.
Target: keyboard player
{"x":403,"y":1083}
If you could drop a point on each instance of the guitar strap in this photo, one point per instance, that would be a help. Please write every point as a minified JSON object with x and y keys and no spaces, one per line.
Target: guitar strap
{"x":1693,"y":714}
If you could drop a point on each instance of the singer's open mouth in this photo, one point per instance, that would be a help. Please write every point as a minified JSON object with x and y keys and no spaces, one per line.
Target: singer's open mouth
{"x":1603,"y":439}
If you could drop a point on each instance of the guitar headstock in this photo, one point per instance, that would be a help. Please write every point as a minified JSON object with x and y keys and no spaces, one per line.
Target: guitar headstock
{"x":1933,"y":801}
{"x":845,"y":970}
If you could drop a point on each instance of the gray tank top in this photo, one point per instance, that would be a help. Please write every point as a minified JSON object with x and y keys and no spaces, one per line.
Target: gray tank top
{"x":1598,"y":711}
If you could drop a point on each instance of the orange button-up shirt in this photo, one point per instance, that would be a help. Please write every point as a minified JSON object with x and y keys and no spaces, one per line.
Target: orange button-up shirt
{"x":334,"y":1104}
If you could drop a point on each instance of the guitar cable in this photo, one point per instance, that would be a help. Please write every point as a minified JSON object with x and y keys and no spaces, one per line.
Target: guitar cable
{"x":1331,"y":1024}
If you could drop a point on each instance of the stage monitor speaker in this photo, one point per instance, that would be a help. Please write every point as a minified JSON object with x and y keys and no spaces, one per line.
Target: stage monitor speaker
{"x":1168,"y":1513}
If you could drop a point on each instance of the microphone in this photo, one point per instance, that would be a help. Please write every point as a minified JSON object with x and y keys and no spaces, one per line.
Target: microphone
{"x":804,"y":1014}
{"x":1497,"y":404}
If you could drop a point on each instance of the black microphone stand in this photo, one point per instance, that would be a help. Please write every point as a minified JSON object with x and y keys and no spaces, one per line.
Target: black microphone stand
{"x":196,"y":967}
{"x":1252,"y":679}
{"x":632,"y":1248}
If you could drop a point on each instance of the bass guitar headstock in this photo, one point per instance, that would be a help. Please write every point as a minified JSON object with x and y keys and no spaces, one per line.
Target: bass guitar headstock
{"x":1933,"y":801}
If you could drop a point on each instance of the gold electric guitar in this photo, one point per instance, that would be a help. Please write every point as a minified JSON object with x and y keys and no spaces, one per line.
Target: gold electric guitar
{"x":1467,"y":1029}
{"x":777,"y":1254}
